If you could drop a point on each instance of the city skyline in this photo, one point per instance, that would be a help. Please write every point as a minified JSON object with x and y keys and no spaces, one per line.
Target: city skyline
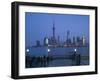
{"x":41,"y":25}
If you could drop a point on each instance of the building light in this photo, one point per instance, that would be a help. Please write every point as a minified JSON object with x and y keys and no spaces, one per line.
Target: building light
{"x":75,"y":49}
{"x":48,"y":50}
{"x":84,"y":40}
{"x":27,"y":50}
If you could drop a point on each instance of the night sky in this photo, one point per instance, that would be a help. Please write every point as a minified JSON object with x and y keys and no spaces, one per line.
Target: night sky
{"x":39,"y":25}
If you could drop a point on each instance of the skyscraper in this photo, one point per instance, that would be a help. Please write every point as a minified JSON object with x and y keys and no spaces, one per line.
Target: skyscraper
{"x":58,"y":41}
{"x":38,"y":43}
{"x":83,"y":40}
{"x":68,"y":33}
{"x":46,"y":41}
{"x":68,"y":39}
{"x":74,"y":42}
{"x":54,"y":42}
{"x":53,"y":31}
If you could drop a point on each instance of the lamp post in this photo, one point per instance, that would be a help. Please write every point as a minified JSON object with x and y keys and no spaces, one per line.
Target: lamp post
{"x":48,"y":50}
{"x":75,"y":50}
{"x":74,"y":57}
{"x":77,"y":57}
{"x":27,"y":50}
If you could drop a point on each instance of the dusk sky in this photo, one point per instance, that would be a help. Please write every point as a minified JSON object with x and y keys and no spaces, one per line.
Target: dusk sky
{"x":39,"y":25}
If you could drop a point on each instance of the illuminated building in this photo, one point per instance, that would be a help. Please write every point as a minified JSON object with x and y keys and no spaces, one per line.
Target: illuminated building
{"x":46,"y":41}
{"x":83,"y":40}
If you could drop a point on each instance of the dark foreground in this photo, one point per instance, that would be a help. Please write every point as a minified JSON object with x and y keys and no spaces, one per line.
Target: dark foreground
{"x":55,"y":61}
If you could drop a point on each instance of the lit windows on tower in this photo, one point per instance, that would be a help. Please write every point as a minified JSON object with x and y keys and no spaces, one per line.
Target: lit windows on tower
{"x":83,"y":40}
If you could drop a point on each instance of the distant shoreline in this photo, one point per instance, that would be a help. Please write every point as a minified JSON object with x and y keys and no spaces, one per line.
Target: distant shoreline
{"x":57,"y":46}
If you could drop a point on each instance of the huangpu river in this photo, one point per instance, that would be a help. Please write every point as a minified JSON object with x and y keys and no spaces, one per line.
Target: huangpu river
{"x":59,"y":55}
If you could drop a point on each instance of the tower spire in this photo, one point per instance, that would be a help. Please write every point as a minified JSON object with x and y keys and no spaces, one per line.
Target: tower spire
{"x":53,"y":30}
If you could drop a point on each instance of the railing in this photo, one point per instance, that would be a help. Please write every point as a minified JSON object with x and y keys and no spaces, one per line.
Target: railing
{"x":44,"y":60}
